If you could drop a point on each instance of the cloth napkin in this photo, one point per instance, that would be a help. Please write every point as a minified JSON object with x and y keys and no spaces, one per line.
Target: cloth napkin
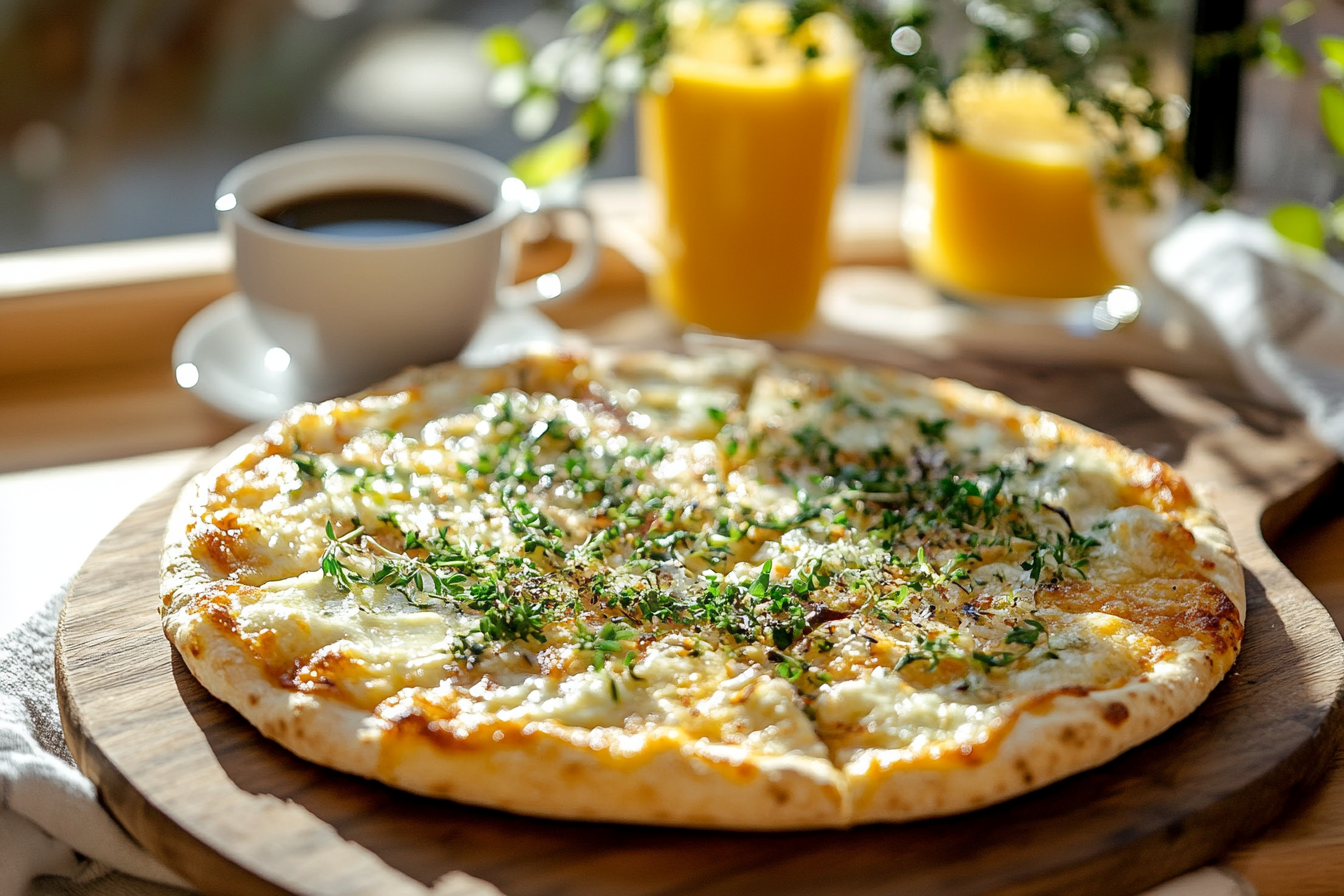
{"x":1279,"y":309}
{"x":52,"y":826}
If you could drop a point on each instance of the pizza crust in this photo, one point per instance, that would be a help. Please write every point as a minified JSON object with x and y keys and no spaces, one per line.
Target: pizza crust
{"x":1069,"y":734}
{"x":666,"y":777}
{"x":547,"y":770}
{"x":556,"y":772}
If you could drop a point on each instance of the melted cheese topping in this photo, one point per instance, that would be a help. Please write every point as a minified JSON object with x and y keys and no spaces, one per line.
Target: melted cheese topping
{"x":796,"y":558}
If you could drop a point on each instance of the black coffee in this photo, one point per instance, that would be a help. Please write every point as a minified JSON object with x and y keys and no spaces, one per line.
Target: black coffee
{"x":373,"y":214}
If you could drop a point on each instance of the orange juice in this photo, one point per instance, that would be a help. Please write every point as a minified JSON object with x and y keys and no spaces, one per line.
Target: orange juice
{"x":746,"y":146}
{"x":1010,"y":208}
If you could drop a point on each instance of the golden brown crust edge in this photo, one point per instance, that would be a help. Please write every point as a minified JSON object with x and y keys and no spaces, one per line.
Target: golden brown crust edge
{"x":549,"y":770}
{"x":562,"y":773}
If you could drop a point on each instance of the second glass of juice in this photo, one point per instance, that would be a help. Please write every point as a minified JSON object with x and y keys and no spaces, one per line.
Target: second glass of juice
{"x":745,"y":143}
{"x":1010,"y":211}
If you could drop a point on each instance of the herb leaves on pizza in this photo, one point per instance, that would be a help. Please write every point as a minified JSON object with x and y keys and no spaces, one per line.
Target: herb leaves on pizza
{"x":725,"y":590}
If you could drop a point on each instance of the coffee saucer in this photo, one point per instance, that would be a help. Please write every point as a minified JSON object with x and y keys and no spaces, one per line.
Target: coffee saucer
{"x":224,"y":357}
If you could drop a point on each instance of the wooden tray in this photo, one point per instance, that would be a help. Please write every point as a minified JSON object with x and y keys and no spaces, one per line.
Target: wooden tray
{"x":234,"y":813}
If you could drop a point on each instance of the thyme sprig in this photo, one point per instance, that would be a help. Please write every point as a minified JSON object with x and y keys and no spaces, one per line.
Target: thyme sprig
{"x":1054,"y":559}
{"x":1025,"y":633}
{"x":586,"y":534}
{"x":932,"y":650}
{"x":412,"y":578}
{"x":509,"y":595}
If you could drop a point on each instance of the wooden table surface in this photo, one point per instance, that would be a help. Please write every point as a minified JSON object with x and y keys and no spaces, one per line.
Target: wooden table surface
{"x":86,"y":334}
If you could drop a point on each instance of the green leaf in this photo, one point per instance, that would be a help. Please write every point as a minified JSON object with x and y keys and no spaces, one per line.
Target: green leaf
{"x":504,"y":46}
{"x":1287,"y":60}
{"x":1332,"y":52}
{"x":596,"y":119}
{"x":587,"y":18}
{"x":762,"y":583}
{"x":1332,"y":48}
{"x":1332,"y":115}
{"x":562,"y":154}
{"x":1295,"y":11}
{"x":535,"y":114}
{"x":1337,"y":218}
{"x":933,"y":429}
{"x":1283,"y":57}
{"x":621,"y":38}
{"x":632,"y":657}
{"x":1300,"y":223}
{"x":1027,"y":633}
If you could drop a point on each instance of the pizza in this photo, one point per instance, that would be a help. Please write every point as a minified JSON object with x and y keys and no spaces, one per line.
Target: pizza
{"x":735,"y":590}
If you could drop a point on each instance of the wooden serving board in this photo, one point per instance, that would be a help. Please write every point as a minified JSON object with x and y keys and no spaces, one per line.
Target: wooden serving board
{"x":235,"y":813}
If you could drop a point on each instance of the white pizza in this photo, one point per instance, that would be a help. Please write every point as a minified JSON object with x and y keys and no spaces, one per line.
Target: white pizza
{"x":730,"y":590}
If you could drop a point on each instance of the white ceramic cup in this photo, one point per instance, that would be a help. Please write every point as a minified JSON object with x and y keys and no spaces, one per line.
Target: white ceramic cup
{"x":349,"y":310}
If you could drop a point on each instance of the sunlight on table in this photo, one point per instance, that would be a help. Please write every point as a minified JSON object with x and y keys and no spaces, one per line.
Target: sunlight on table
{"x":51,"y":520}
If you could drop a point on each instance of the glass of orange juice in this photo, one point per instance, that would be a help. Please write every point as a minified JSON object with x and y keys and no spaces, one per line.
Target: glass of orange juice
{"x":745,"y":142}
{"x":1009,"y":212}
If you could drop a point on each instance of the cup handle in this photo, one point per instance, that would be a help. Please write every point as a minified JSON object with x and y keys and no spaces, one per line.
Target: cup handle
{"x":572,"y":276}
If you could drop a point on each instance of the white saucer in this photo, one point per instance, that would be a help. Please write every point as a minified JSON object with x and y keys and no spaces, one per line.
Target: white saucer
{"x":226,"y":360}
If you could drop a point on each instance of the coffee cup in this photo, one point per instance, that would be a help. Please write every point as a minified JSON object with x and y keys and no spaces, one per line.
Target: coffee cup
{"x":360,"y":256}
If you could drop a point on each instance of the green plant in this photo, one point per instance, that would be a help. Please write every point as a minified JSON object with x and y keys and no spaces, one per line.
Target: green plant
{"x":612,"y":48}
{"x":609,"y":52}
{"x":1301,"y":222}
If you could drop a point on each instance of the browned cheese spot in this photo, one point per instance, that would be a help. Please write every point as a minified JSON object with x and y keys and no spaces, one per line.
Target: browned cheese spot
{"x":214,"y":603}
{"x":1150,"y":482}
{"x":1115,"y":713}
{"x":414,"y":717}
{"x":1041,"y":703}
{"x":219,"y":538}
{"x":317,"y":672}
{"x":1166,"y":609}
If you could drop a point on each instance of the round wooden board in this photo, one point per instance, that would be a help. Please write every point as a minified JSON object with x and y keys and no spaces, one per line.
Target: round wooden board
{"x":235,"y":813}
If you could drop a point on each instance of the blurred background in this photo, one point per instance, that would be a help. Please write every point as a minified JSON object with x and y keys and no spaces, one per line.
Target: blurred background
{"x":118,"y":117}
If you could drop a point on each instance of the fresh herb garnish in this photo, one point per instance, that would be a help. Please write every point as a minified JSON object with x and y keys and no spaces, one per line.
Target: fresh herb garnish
{"x":1054,"y":558}
{"x":584,"y":529}
{"x":933,"y":430}
{"x":310,"y":465}
{"x":931,"y":650}
{"x":1026,"y":633}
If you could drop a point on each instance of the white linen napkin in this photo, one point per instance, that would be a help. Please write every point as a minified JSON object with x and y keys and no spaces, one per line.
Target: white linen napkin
{"x":51,"y":822}
{"x":1278,"y":308}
